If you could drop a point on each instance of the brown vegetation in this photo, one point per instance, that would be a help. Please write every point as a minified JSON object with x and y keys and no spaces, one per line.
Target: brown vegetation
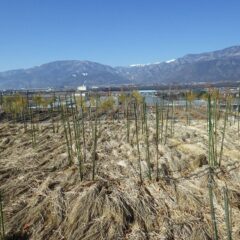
{"x":44,"y":197}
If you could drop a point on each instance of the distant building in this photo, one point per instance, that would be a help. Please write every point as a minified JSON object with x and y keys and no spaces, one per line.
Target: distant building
{"x":82,"y":88}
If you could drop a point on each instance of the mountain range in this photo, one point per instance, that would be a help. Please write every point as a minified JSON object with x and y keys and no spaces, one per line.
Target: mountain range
{"x":209,"y":67}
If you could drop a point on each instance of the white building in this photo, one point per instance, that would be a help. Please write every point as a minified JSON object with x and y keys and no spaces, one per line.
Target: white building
{"x":82,"y":88}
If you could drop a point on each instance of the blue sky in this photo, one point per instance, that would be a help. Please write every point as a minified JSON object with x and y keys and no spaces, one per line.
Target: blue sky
{"x":114,"y":32}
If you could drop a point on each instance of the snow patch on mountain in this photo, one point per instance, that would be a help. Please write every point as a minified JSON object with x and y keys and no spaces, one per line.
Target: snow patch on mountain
{"x":137,"y":65}
{"x":170,"y":61}
{"x":143,"y":65}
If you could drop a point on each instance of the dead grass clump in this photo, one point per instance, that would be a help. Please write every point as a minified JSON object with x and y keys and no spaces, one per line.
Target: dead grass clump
{"x":105,"y":211}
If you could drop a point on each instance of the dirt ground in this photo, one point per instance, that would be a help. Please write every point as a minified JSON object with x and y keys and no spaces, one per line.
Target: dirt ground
{"x":45,"y":199}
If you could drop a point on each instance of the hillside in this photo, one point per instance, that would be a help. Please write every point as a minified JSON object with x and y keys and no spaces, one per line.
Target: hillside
{"x":62,"y":74}
{"x":217,"y":66}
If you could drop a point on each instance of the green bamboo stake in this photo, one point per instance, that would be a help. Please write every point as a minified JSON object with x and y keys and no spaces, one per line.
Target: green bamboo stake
{"x":238,"y":112}
{"x":209,"y":131}
{"x":172,"y":118}
{"x":77,"y":139}
{"x":24,"y":115}
{"x":162,"y":120}
{"x":128,"y":124}
{"x":33,"y":129}
{"x":147,"y":142}
{"x":166,"y":125}
{"x":157,"y":140}
{"x":69,"y":131}
{"x":186,"y":108}
{"x":1,"y":98}
{"x":211,"y":143}
{"x":2,"y":228}
{"x":213,"y":215}
{"x":189,"y":111}
{"x":83,"y":127}
{"x":215,"y":126}
{"x":142,"y":117}
{"x":52,"y":117}
{"x":223,"y":132}
{"x":227,"y":214}
{"x":137,"y":140}
{"x":95,"y":142}
{"x":66,"y":133}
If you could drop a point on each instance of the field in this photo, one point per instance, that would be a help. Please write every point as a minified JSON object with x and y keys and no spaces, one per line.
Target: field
{"x":125,"y":171}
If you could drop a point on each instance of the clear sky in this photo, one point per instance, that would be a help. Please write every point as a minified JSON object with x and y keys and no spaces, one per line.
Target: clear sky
{"x":114,"y":32}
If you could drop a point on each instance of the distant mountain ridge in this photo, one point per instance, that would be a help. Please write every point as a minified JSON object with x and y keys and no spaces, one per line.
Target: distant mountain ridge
{"x":221,"y":65}
{"x":70,"y":73}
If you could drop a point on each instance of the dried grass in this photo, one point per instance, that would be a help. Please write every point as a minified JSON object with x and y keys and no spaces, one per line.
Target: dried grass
{"x":44,"y":199}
